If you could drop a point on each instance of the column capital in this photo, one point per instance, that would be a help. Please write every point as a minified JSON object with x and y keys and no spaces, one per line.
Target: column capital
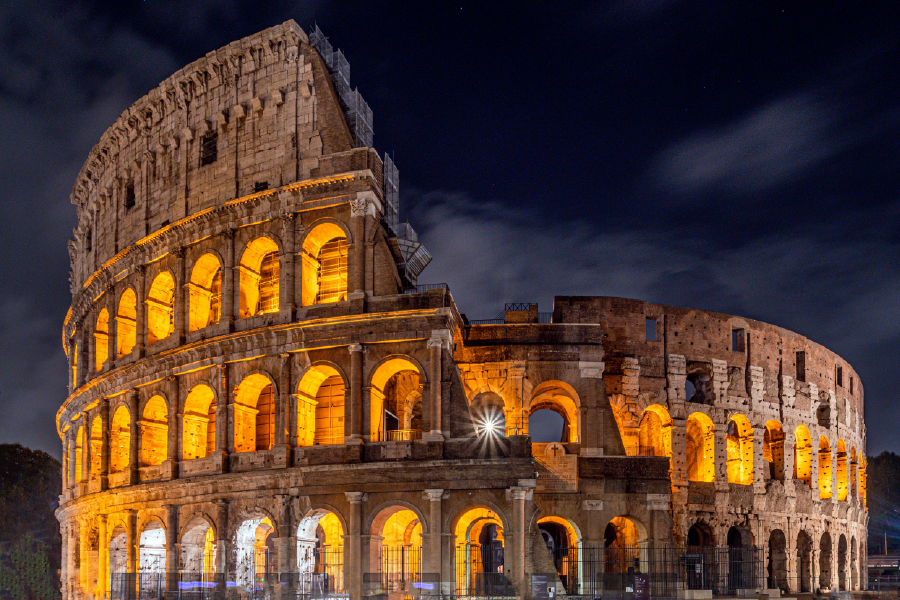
{"x":433,"y":495}
{"x":356,"y":497}
{"x":356,"y":348}
{"x":365,"y":203}
{"x":591,"y":369}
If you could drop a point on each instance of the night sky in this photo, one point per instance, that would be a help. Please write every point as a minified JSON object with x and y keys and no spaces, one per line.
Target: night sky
{"x":740,"y":157}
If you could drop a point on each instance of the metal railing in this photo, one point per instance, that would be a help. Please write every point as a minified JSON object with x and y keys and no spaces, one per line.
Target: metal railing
{"x":543,"y":318}
{"x":404,"y":435}
{"x":422,"y":288}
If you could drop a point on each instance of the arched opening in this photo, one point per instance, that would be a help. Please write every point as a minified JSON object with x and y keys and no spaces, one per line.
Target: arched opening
{"x":161,"y":308}
{"x":824,"y":468}
{"x":854,"y":473}
{"x":199,"y":423}
{"x":118,"y":561}
{"x":739,"y":450}
{"x":480,"y":554}
{"x":488,"y":412}
{"x":563,"y":540}
{"x":101,"y":340}
{"x":396,"y":402}
{"x":655,"y":432}
{"x":324,"y":270}
{"x":803,"y":455}
{"x":700,"y":562}
{"x":126,"y":323}
{"x":254,"y":414}
{"x":545,"y":426}
{"x":825,"y":562}
{"x":255,"y":552}
{"x":773,"y":449}
{"x":205,"y":293}
{"x":560,"y":398}
{"x":320,"y":407}
{"x":697,"y":386}
{"x":152,"y":554}
{"x":841,"y":471}
{"x":625,"y":552}
{"x":397,"y":548}
{"x":854,"y":566}
{"x":701,"y":448}
{"x":198,"y":549}
{"x":842,"y":563}
{"x":259,"y":269}
{"x":741,"y":564}
{"x":154,"y":432}
{"x":320,"y":554}
{"x":777,"y":568}
{"x":863,"y":481}
{"x":119,"y":440}
{"x":804,"y":562}
{"x":79,"y":454}
{"x":96,"y":447}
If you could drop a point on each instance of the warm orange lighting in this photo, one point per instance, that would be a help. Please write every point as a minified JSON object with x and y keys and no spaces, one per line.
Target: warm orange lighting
{"x":701,"y":446}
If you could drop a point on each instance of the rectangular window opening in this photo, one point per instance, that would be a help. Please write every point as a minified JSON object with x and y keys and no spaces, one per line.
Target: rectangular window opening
{"x":129,"y":196}
{"x":737,"y":340}
{"x":650,"y":329}
{"x":839,"y":376}
{"x":801,"y":365}
{"x":208,"y":149}
{"x":260,"y":186}
{"x":851,"y":384}
{"x":89,"y":241}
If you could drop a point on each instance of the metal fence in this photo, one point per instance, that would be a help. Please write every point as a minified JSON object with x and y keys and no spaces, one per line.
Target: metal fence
{"x":424,"y":287}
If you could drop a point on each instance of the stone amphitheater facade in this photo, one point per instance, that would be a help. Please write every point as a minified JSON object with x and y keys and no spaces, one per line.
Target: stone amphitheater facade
{"x":259,"y":385}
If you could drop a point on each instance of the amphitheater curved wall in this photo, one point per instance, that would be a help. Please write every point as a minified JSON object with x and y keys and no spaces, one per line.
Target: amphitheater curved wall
{"x":254,"y":385}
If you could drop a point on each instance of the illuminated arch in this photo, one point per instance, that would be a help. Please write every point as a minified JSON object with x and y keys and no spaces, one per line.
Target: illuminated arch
{"x":773,"y":449}
{"x":625,"y":540}
{"x":118,"y":552}
{"x":199,"y":423}
{"x":320,"y":406}
{"x":324,"y":265}
{"x":154,"y":432}
{"x":655,"y":436}
{"x":739,"y":449}
{"x":803,"y":455}
{"x":152,"y":556}
{"x":395,"y":384}
{"x":563,"y":539}
{"x":254,"y":414}
{"x":488,"y":409}
{"x":254,"y":543}
{"x":562,"y":399}
{"x":841,"y":471}
{"x":101,"y":340}
{"x":259,"y":277}
{"x":863,"y":480}
{"x":824,"y":468}
{"x":400,"y":529}
{"x":198,"y":548}
{"x":126,"y":323}
{"x":701,"y":448}
{"x":161,"y":308}
{"x":205,"y":292}
{"x":119,"y":440}
{"x":320,"y":547}
{"x":96,"y":447}
{"x":479,"y":533}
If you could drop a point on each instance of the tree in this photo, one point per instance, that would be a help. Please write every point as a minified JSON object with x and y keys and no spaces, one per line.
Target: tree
{"x":30,"y":543}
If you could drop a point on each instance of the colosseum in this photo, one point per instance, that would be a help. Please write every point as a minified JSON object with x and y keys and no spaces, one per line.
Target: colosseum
{"x":266,"y":402}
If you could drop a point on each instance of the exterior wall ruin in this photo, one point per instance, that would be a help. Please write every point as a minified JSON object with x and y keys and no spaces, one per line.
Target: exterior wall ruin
{"x":256,"y":389}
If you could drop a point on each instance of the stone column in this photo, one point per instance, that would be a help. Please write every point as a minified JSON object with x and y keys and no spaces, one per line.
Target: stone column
{"x":358,"y":210}
{"x":64,"y":561}
{"x":760,"y":465}
{"x":141,"y":313}
{"x":592,"y":431}
{"x":228,"y":287}
{"x":173,"y":549}
{"x":104,"y":444}
{"x":222,"y":546}
{"x":353,"y":546}
{"x":286,"y":286}
{"x":283,"y":403}
{"x":102,"y":558}
{"x":180,"y":306}
{"x":91,"y":343}
{"x":113,"y":325}
{"x":73,"y":475}
{"x":131,"y":550}
{"x":517,"y":568}
{"x":222,"y":401}
{"x":721,"y":455}
{"x":431,"y":410}
{"x":353,"y":426}
{"x":85,"y":448}
{"x":287,"y":541}
{"x":432,"y":560}
{"x":81,"y":369}
{"x":134,"y":436}
{"x":175,"y":425}
{"x":84,"y":567}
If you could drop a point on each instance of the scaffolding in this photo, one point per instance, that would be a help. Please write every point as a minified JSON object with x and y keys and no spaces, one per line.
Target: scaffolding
{"x":392,"y":196}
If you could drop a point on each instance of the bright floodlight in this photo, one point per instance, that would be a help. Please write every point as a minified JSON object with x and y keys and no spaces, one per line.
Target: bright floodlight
{"x":489,"y":426}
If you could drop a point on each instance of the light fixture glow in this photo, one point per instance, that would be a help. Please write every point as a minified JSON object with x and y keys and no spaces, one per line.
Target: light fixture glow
{"x":489,"y":426}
